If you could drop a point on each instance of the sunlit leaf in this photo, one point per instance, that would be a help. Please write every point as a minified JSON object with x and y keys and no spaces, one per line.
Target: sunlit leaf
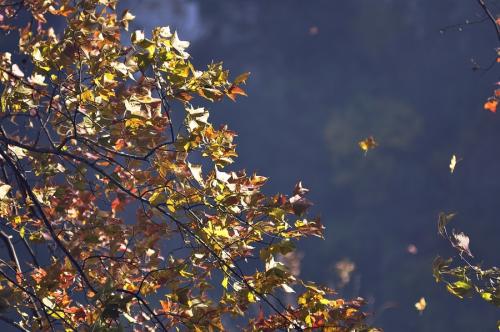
{"x":421,"y":305}
{"x":491,"y":105}
{"x":368,"y":144}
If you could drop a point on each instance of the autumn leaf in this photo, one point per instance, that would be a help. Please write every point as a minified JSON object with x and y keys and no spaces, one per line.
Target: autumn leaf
{"x":421,"y":305}
{"x":241,"y":78}
{"x":491,"y":105}
{"x":120,"y":144}
{"x":453,"y":163}
{"x":234,"y":91}
{"x":368,"y":144}
{"x":462,"y":243}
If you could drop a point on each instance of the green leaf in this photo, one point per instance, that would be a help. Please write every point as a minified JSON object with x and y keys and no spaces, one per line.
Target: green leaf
{"x":459,"y":288}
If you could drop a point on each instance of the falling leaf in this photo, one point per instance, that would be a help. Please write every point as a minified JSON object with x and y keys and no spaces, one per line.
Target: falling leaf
{"x":453,"y":163}
{"x":491,"y":105}
{"x":344,"y":270}
{"x":462,"y":243}
{"x":412,"y":249}
{"x":421,"y":304}
{"x":368,"y":144}
{"x":314,"y":30}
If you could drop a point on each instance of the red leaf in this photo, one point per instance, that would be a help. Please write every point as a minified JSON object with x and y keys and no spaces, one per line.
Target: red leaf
{"x":235,"y":90}
{"x":117,"y":205}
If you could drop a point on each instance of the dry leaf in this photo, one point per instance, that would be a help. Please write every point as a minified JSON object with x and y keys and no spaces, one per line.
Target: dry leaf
{"x":412,"y":249}
{"x":462,"y":243}
{"x":368,"y":144}
{"x":453,"y":163}
{"x":421,"y":304}
{"x":491,"y":105}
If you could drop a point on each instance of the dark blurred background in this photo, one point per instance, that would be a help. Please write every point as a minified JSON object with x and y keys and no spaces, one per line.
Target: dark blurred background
{"x":326,"y":74}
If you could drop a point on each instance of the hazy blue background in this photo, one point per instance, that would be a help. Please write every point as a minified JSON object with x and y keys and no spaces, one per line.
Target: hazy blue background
{"x":377,"y":68}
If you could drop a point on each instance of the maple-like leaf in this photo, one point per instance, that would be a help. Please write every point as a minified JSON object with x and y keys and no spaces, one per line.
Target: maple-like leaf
{"x":421,"y":305}
{"x":367,"y":144}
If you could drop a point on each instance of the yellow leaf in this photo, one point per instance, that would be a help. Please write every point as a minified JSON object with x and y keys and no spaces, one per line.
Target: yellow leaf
{"x":156,"y":198}
{"x":309,"y":320}
{"x":367,"y":144}
{"x":225,"y":282}
{"x":134,"y":123}
{"x":453,"y":163}
{"x":251,"y":297}
{"x":421,"y":304}
{"x":87,"y":96}
{"x":109,"y":78}
{"x":17,"y":220}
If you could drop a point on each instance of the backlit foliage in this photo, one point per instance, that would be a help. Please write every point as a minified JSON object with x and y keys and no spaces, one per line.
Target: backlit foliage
{"x":118,"y":209}
{"x":463,"y":277}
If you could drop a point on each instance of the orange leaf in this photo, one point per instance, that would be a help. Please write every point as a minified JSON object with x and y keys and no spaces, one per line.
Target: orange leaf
{"x":491,"y":105}
{"x":367,"y":144}
{"x":235,"y":90}
{"x":120,"y":144}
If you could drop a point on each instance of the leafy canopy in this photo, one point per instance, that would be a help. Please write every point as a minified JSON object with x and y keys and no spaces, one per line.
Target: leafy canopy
{"x":115,"y":215}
